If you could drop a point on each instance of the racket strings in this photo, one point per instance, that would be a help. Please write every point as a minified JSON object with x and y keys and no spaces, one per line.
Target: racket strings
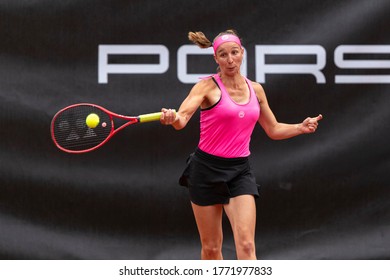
{"x":71,"y":131}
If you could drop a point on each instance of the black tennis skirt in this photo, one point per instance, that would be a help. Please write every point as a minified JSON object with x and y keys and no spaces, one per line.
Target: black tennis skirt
{"x":214,"y":180}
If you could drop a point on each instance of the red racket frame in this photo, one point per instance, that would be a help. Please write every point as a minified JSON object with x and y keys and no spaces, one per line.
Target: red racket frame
{"x":130,"y":120}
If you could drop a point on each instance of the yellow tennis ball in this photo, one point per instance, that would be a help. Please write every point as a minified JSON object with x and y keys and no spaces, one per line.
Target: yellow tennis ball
{"x":92,"y":120}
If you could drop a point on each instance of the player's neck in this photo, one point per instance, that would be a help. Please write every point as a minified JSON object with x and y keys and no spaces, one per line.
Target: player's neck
{"x":234,"y":82}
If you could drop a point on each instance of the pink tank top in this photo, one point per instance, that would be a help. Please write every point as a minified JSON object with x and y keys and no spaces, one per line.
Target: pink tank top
{"x":226,"y":127}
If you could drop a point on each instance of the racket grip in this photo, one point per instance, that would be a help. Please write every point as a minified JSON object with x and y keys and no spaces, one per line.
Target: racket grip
{"x":150,"y":117}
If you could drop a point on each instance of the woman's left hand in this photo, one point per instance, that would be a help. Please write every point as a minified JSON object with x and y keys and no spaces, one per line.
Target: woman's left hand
{"x":309,"y":125}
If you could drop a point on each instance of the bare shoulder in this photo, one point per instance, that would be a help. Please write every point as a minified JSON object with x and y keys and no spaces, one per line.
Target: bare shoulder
{"x":206,"y":91}
{"x":259,"y":90}
{"x":257,"y":87}
{"x":205,"y":85}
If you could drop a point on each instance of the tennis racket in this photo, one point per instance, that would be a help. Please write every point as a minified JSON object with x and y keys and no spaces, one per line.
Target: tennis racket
{"x":84,"y":127}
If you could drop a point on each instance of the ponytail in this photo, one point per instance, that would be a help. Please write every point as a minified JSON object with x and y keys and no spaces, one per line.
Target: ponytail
{"x":199,"y":39}
{"x":203,"y":42}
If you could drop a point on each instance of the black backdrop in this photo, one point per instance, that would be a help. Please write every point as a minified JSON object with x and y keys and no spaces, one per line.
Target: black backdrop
{"x":324,"y":196}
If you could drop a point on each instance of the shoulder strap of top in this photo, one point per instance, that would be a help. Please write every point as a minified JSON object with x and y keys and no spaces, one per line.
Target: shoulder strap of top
{"x":251,"y":89}
{"x":249,"y":82}
{"x":219,"y":83}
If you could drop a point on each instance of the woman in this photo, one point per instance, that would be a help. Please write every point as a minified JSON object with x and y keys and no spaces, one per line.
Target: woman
{"x":218,"y":174}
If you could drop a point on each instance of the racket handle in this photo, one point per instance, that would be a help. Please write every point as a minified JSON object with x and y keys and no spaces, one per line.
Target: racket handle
{"x":150,"y":117}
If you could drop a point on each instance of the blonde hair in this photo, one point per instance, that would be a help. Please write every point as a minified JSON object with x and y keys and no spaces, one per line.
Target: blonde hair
{"x":203,"y":42}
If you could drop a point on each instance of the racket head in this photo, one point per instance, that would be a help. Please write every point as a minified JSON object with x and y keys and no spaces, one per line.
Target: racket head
{"x":71,"y":133}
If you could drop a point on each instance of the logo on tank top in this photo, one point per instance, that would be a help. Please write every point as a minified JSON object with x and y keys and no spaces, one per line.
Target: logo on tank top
{"x":241,"y":114}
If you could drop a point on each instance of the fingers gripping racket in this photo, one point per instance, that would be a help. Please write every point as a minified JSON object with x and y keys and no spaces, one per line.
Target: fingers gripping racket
{"x":84,"y":127}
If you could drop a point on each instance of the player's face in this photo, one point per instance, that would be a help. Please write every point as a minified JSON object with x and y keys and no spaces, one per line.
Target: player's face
{"x":229,"y":58}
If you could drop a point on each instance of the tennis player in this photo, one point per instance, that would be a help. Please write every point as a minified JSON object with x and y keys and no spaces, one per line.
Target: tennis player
{"x":218,"y":174}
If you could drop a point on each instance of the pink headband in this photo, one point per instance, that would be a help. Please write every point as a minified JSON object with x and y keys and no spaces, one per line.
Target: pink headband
{"x":225,"y":38}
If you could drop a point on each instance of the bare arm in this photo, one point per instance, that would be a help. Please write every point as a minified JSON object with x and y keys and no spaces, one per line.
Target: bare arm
{"x":276,"y":130}
{"x":188,"y":107}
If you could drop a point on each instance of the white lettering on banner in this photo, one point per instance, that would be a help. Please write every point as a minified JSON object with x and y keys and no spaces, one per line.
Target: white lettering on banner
{"x":342,"y":63}
{"x":105,"y":68}
{"x":261,"y":67}
{"x":315,"y":69}
{"x":182,"y":69}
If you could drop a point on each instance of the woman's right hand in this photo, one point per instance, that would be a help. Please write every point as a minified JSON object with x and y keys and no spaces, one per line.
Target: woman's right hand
{"x":168,"y":116}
